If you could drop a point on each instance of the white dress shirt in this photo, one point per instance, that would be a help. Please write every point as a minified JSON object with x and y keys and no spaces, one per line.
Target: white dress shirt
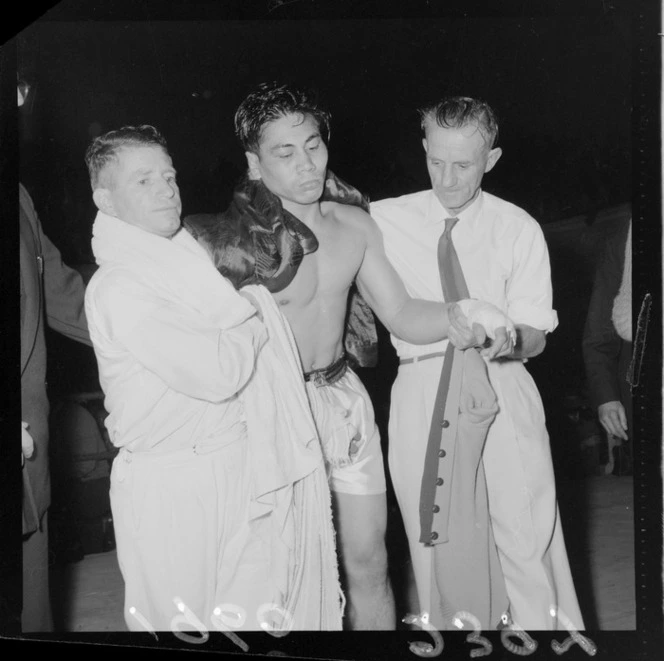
{"x":501,"y":249}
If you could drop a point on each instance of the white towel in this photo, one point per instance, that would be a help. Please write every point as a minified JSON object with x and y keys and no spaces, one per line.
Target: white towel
{"x":290,"y":481}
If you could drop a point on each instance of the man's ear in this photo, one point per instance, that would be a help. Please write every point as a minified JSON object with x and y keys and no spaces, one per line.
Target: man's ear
{"x":494,"y":155}
{"x":253,"y":163}
{"x":102,"y":199}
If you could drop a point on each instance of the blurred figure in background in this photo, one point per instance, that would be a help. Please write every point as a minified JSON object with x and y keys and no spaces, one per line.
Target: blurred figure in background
{"x":51,"y":293}
{"x":607,"y":345}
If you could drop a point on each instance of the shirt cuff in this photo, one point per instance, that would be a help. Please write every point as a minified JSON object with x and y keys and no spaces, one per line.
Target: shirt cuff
{"x":542,"y":319}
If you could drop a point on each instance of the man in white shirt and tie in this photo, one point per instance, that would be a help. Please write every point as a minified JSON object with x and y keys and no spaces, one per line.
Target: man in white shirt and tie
{"x":504,"y":259}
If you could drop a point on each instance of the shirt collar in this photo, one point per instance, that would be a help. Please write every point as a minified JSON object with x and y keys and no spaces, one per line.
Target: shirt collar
{"x":436,"y":212}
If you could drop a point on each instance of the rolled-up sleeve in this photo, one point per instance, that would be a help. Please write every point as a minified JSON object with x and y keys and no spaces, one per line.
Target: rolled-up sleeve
{"x":529,"y":291}
{"x":185,"y":349}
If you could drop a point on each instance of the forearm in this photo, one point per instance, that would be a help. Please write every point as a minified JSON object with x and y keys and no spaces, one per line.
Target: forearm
{"x":601,"y":366}
{"x":530,"y":342}
{"x":199,"y":361}
{"x":420,"y":322}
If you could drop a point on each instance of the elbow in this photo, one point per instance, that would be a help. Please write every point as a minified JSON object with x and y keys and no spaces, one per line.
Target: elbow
{"x":220,"y":383}
{"x":538,"y":346}
{"x":232,"y":383}
{"x":530,"y":342}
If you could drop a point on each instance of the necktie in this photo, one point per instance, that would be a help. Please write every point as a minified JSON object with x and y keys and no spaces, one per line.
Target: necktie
{"x":451,"y":275}
{"x":454,"y":289}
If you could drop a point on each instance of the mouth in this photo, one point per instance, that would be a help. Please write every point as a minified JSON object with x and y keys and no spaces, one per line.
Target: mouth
{"x":312,"y":183}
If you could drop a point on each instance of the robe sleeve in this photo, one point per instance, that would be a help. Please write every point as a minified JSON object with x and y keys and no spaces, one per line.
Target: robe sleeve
{"x":182,"y":347}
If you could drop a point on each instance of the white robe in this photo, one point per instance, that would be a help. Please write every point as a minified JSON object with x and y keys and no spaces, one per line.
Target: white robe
{"x":202,"y":519}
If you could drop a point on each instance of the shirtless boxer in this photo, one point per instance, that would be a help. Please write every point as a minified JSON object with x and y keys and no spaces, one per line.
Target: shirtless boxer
{"x":283,"y":132}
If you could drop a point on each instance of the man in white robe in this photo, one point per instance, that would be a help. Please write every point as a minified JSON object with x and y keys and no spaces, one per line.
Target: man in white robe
{"x":207,"y":531}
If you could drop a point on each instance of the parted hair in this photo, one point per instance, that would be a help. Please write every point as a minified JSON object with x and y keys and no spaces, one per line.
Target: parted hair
{"x":458,"y":111}
{"x":104,"y":148}
{"x":270,"y":101}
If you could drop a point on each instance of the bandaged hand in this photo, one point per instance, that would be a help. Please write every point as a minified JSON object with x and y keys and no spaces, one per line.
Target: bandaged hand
{"x":491,"y":328}
{"x":459,"y":333}
{"x":27,"y":443}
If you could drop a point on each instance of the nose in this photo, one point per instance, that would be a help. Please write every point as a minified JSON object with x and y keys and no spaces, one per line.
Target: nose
{"x":305,"y":162}
{"x":166,"y":188}
{"x":448,"y":178}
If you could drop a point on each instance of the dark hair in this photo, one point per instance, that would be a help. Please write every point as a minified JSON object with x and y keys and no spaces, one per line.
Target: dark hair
{"x":104,"y":148}
{"x":459,"y":111}
{"x":270,"y":101}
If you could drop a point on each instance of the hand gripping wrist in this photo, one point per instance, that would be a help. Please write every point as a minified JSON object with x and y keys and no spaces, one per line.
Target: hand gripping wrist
{"x":486,"y":315}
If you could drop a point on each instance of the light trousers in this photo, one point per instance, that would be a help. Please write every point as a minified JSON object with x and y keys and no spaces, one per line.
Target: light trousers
{"x":184,"y":541}
{"x":521,"y":489}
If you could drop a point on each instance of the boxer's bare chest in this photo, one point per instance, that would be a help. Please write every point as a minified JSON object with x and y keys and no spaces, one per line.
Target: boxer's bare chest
{"x":325,"y":276}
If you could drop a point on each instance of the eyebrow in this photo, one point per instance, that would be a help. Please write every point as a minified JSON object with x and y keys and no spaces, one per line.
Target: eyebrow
{"x":288,"y":145}
{"x":143,"y":171}
{"x":437,"y":158}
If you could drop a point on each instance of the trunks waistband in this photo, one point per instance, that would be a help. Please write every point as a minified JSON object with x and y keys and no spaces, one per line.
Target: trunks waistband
{"x":326,"y":376}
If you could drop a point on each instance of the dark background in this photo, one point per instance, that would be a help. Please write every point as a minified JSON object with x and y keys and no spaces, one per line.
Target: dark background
{"x":560,"y":84}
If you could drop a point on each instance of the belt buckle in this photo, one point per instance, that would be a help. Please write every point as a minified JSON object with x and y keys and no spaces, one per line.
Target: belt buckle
{"x":319,"y":379}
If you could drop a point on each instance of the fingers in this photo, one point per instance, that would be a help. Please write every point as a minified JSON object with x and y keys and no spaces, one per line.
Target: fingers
{"x":611,"y":423}
{"x":481,"y":338}
{"x":458,"y":332}
{"x":501,"y":346}
{"x":622,"y":418}
{"x":27,"y":443}
{"x":354,"y":445}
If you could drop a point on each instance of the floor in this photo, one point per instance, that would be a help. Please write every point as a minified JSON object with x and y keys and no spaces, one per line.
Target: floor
{"x":597,"y":517}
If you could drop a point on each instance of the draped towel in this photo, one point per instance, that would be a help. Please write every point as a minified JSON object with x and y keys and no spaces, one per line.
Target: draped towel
{"x":290,"y":479}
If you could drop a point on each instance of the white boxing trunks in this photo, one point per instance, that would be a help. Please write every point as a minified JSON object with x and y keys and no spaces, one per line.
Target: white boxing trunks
{"x":346,"y":424}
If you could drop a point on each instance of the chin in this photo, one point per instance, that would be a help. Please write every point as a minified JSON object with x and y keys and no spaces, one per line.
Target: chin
{"x":169,"y":230}
{"x":310,"y":197}
{"x":453,"y":204}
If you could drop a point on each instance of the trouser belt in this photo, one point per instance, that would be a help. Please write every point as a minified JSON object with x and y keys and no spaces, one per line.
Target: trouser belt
{"x":328,"y":375}
{"x":418,"y":359}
